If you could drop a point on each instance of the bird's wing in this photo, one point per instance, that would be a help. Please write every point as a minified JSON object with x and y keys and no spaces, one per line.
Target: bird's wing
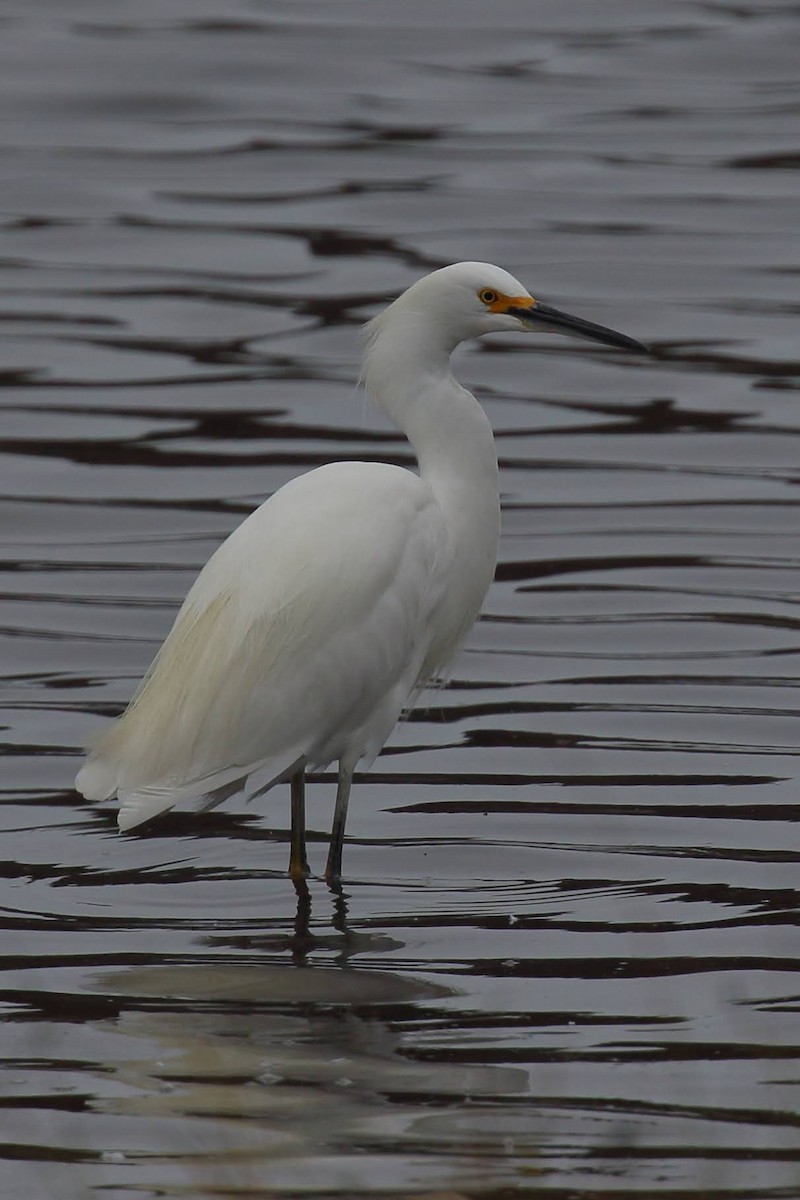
{"x":300,"y":624}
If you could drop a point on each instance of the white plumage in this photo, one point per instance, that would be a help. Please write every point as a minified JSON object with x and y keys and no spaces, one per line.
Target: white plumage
{"x":306,"y":633}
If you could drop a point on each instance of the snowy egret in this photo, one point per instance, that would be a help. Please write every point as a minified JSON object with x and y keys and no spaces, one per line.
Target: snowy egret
{"x":311,"y":628}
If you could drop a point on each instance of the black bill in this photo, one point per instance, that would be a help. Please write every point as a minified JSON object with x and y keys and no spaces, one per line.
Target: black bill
{"x":544,"y":317}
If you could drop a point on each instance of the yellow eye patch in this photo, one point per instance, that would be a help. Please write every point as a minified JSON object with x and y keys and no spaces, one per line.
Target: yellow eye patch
{"x":499,"y":302}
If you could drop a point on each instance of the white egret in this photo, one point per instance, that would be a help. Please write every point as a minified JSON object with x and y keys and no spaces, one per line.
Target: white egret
{"x":310,"y":629}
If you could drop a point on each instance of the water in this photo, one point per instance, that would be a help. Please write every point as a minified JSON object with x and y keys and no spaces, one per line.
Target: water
{"x":564,"y":960}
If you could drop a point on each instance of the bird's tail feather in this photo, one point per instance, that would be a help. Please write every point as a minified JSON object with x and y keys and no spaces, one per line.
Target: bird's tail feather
{"x":96,"y":780}
{"x":143,"y":803}
{"x":137,"y":807}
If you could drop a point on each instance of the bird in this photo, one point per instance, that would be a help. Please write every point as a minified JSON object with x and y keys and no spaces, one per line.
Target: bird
{"x":317,"y":622}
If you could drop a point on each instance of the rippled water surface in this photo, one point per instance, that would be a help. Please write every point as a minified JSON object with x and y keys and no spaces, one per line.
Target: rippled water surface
{"x":564,"y":961}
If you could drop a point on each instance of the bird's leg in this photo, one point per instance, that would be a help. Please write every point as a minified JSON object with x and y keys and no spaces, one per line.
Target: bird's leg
{"x":333,"y":869}
{"x":298,"y":863}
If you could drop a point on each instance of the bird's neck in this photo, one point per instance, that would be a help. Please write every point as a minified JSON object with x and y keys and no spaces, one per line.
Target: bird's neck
{"x":411,"y":379}
{"x":407,"y":371}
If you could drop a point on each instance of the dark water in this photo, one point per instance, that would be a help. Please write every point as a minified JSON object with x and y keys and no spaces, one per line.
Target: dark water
{"x":564,"y":963}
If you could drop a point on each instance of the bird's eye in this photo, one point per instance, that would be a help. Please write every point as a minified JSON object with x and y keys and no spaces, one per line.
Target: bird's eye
{"x":487,"y":296}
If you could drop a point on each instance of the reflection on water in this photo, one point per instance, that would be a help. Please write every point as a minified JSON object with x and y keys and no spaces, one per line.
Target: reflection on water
{"x":304,"y":1060}
{"x":563,"y":962}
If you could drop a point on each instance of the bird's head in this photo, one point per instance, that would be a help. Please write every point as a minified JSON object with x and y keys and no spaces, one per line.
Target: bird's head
{"x":469,"y":299}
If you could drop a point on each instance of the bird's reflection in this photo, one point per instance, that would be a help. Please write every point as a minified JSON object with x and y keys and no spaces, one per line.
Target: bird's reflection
{"x":304,"y":941}
{"x":243,"y":1074}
